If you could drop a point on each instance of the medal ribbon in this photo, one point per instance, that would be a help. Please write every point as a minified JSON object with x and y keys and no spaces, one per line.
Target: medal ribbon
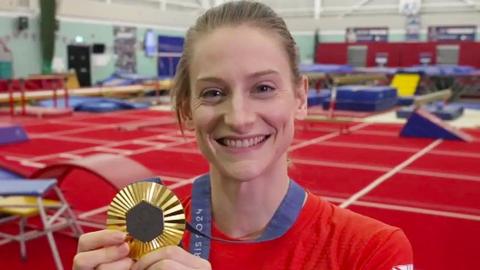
{"x":201,"y":217}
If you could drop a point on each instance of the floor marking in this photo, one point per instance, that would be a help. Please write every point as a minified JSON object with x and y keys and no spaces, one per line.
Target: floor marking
{"x":408,"y":209}
{"x":390,"y":173}
{"x":325,"y":137}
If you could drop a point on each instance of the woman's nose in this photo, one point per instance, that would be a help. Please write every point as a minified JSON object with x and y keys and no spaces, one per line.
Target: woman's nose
{"x":239,"y":114}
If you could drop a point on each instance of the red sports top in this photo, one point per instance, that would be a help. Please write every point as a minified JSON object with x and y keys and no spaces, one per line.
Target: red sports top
{"x":323,"y":237}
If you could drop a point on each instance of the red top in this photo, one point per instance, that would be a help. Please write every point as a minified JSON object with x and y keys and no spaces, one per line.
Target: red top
{"x":323,"y":237}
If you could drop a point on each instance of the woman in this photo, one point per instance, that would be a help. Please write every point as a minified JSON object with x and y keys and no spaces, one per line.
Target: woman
{"x":238,"y":88}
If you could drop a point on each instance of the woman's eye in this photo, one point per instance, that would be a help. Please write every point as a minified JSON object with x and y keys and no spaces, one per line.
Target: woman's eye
{"x":264,"y":90}
{"x":212,"y":95}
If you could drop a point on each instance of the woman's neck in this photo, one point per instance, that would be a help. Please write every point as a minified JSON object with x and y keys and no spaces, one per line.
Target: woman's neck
{"x":242,"y":209}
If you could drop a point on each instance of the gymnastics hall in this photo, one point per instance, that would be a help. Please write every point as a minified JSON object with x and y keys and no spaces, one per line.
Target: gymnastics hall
{"x":392,"y":131}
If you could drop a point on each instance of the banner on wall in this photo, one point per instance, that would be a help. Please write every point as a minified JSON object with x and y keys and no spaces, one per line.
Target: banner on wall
{"x":412,"y":28}
{"x":169,"y":52}
{"x":452,"y":33}
{"x":366,"y":34}
{"x":125,"y":40}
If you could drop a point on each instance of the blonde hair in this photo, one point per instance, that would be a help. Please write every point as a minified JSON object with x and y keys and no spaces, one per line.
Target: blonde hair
{"x":228,"y":14}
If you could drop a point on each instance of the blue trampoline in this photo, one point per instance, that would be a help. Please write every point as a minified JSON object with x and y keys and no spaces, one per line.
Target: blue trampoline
{"x":325,"y":68}
{"x":468,"y":105}
{"x":123,"y":79}
{"x":441,"y":70}
{"x":96,"y":104}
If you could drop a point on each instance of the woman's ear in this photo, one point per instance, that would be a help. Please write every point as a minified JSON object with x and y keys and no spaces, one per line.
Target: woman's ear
{"x":301,"y":97}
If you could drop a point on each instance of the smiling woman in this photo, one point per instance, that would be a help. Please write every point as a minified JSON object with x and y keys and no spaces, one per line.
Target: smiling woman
{"x":243,"y":104}
{"x":238,"y":88}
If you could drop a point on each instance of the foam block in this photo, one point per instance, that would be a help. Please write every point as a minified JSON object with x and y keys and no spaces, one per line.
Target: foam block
{"x":346,"y":105}
{"x":363,"y":98}
{"x":423,"y":124}
{"x":12,"y":133}
{"x":317,"y":97}
{"x":365,"y":93}
{"x":405,"y":101}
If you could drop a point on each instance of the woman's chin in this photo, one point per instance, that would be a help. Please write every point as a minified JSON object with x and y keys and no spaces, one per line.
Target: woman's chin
{"x":243,"y":171}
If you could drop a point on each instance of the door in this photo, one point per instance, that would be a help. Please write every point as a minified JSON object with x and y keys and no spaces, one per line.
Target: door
{"x":357,"y":55}
{"x":79,"y":60}
{"x":447,"y":54}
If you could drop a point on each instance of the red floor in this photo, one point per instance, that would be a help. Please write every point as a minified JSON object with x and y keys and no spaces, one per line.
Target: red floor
{"x":435,"y":199}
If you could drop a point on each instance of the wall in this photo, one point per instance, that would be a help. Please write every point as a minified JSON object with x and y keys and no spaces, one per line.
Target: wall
{"x":25,"y":46}
{"x":27,"y":55}
{"x":26,"y":52}
{"x":332,"y":29}
{"x":305,"y":42}
{"x":97,"y":20}
{"x":400,"y":54}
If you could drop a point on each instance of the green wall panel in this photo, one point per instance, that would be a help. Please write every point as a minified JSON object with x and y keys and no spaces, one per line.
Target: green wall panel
{"x":25,"y":46}
{"x":305,"y":45}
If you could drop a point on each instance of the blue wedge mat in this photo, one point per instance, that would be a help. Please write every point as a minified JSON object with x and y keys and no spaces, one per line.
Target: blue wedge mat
{"x":12,"y":133}
{"x":9,"y":175}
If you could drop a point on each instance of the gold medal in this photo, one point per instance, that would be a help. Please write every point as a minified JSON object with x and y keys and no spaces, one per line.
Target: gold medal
{"x":151,"y":214}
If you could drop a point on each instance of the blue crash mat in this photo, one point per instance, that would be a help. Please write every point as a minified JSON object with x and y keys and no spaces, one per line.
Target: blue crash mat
{"x":365,"y":93}
{"x":363,"y":98}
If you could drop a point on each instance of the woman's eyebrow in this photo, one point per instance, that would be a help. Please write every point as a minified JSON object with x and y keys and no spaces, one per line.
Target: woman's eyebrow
{"x":209,"y":79}
{"x":263,"y":73}
{"x":249,"y":76}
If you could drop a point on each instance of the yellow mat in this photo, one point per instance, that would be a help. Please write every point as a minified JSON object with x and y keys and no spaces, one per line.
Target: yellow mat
{"x":406,"y":84}
{"x":23,"y":205}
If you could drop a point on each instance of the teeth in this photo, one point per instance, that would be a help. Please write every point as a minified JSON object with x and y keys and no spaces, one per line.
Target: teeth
{"x":244,"y":142}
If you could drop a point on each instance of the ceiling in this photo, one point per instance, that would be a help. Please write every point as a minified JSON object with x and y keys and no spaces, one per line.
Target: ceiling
{"x":288,"y":8}
{"x":316,"y":8}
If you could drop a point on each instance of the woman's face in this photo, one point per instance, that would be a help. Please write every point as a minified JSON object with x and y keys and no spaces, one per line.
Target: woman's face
{"x":243,"y":101}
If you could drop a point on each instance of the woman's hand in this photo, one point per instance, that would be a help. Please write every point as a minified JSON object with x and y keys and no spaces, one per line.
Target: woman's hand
{"x":171,"y":258}
{"x":102,"y":250}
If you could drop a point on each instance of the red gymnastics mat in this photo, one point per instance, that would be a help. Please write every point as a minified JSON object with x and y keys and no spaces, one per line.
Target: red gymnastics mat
{"x":432,"y":192}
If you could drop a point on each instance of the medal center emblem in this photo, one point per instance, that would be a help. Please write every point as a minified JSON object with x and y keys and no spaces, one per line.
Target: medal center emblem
{"x":144,"y":221}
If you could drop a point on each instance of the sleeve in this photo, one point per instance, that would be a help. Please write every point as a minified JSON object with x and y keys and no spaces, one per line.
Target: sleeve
{"x":387,"y":251}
